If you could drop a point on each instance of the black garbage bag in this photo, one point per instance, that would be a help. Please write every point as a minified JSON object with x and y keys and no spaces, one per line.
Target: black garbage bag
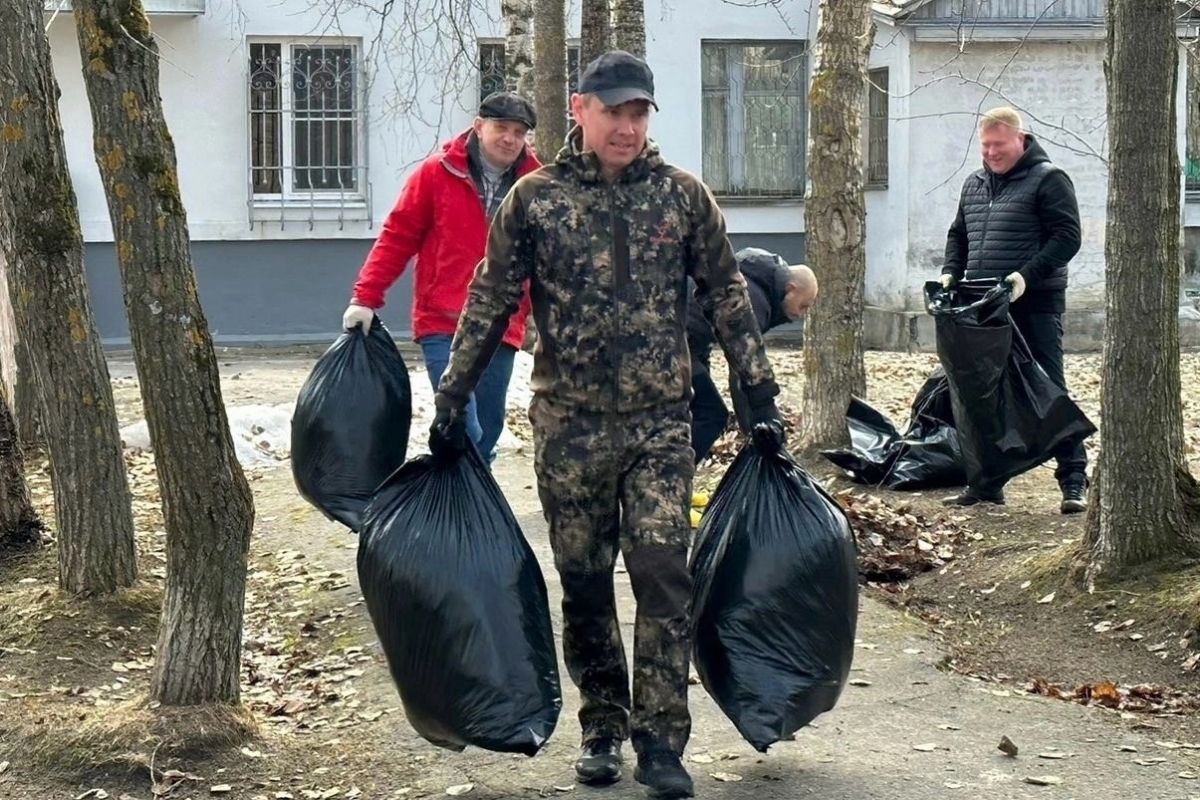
{"x":926,"y":455}
{"x":775,"y":598}
{"x":1009,"y":414}
{"x":350,"y":426}
{"x":460,"y":607}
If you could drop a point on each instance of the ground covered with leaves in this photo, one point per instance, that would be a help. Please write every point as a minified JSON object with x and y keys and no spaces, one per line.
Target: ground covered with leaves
{"x":995,"y":586}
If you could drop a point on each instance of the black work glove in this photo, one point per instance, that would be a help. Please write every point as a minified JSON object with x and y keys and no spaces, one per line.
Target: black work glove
{"x":448,"y":433}
{"x":766,"y":428}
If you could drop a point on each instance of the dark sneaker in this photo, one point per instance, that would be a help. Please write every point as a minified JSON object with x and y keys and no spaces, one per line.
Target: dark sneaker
{"x":972,"y":497}
{"x":1074,"y":497}
{"x":663,"y":776}
{"x":599,"y":762}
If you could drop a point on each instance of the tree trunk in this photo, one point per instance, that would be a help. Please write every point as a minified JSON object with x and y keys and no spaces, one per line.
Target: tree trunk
{"x":44,"y":254}
{"x":19,"y":524}
{"x":16,"y":372}
{"x":629,"y":26}
{"x":207,"y":506}
{"x":550,"y":75}
{"x":595,"y":31}
{"x":835,"y":216}
{"x":518,"y":46}
{"x":1144,"y":500}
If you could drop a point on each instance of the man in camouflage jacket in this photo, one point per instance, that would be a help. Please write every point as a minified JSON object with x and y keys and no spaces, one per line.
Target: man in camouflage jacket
{"x":607,"y":237}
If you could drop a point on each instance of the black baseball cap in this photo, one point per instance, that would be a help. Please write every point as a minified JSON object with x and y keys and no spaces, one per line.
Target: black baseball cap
{"x":617,"y":77}
{"x":509,"y":106}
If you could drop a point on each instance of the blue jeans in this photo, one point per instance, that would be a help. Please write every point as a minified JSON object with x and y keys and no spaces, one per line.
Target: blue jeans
{"x":485,"y":411}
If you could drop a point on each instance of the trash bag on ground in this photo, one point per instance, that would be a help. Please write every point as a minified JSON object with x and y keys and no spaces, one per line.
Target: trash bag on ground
{"x":460,"y":607}
{"x":1010,"y":415}
{"x":925,"y":456}
{"x":775,"y":598}
{"x":350,"y":427}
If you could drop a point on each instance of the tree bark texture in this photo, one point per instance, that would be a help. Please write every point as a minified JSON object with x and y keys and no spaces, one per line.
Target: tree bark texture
{"x":629,"y":26}
{"x":1144,"y":500}
{"x":19,"y":524}
{"x":518,"y":46}
{"x":16,"y":371}
{"x":835,"y":219}
{"x":207,"y":504}
{"x":43,"y":250}
{"x":595,"y":31}
{"x":550,"y":76}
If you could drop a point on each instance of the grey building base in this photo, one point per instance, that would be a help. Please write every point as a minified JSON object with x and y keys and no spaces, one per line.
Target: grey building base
{"x":289,"y":292}
{"x":911,"y":331}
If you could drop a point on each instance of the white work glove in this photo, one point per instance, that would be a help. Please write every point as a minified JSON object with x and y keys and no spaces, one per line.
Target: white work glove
{"x":947,"y":281}
{"x":357,"y":315}
{"x":1017,"y":282}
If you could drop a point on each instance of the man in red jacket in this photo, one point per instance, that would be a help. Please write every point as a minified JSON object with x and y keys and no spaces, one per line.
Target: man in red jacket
{"x":442,"y":220}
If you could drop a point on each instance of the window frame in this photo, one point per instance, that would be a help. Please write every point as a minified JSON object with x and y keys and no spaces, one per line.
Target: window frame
{"x":734,"y":94}
{"x":574,"y":46}
{"x":874,"y":88}
{"x":289,"y":195}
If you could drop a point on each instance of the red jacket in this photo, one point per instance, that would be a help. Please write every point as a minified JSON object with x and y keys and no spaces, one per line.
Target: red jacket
{"x":439,"y":218}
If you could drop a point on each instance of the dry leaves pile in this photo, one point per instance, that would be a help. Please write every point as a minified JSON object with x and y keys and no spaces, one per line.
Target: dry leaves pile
{"x":1140,"y":698}
{"x":895,"y":544}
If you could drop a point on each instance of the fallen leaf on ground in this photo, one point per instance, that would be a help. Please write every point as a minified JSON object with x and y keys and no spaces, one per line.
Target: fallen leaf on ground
{"x":726,"y":777}
{"x":1043,"y":780}
{"x":702,"y":758}
{"x":1047,"y":599}
{"x":462,"y":788}
{"x":1008,"y":746}
{"x":925,"y":748}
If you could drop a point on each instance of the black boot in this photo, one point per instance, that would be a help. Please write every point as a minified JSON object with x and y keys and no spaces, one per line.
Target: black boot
{"x":599,"y":762}
{"x":662,"y":773}
{"x":971,"y":497}
{"x":1074,"y":494}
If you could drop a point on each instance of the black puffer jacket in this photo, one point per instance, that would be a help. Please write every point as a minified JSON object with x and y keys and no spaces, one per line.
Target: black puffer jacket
{"x":1025,"y":220}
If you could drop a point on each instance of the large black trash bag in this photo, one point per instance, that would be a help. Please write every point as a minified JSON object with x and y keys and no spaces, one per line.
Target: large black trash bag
{"x":926,"y":455}
{"x":1009,"y":414}
{"x":350,"y":426}
{"x":929,"y":454}
{"x":775,"y":598}
{"x":460,"y":607}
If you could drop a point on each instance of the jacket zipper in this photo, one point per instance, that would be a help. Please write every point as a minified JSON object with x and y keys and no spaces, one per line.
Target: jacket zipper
{"x":619,"y":265}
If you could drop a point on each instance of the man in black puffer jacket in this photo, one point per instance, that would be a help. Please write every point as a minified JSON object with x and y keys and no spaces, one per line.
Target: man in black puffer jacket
{"x":1018,"y":222}
{"x":779,"y":294}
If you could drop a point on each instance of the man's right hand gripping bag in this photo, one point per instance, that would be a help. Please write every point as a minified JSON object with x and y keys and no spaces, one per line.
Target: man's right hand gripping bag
{"x":775,"y":597}
{"x":460,"y":607}
{"x":350,"y":426}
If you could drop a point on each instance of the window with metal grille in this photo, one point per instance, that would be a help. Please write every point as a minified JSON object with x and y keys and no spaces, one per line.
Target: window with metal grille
{"x":492,"y":71}
{"x":307,"y":121}
{"x":875,"y":128}
{"x":754,"y":117}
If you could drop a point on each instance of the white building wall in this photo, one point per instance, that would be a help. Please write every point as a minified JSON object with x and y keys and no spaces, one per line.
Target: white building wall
{"x":1059,"y":86}
{"x":204,"y":72}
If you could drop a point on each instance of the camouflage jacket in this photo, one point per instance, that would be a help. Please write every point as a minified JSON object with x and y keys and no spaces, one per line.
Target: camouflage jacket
{"x":607,"y":265}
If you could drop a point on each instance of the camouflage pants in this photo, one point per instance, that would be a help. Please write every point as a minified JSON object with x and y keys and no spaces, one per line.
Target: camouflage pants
{"x":609,"y":481}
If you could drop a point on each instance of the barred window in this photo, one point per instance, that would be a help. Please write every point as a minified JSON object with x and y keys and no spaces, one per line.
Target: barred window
{"x":307,"y":121}
{"x":754,"y":117}
{"x":875,"y":128}
{"x":493,"y":72}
